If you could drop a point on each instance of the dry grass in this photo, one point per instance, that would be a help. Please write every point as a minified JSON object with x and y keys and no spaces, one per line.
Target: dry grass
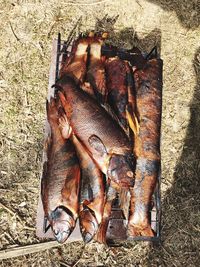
{"x":26,"y":32}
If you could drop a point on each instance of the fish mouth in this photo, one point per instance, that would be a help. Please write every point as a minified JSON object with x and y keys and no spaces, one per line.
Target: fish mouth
{"x":88,"y":224}
{"x":62,"y":223}
{"x":62,"y":236}
{"x":87,"y":237}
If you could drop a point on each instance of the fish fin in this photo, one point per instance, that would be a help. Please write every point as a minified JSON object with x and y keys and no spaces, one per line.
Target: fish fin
{"x":62,"y":99}
{"x":97,"y":144}
{"x":45,"y":227}
{"x":64,"y":126}
{"x":133,"y":122}
{"x":64,"y":103}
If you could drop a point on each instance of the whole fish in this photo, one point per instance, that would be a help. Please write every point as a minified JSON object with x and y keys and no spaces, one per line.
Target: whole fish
{"x":106,"y":142}
{"x":121,"y":98}
{"x":91,"y":193}
{"x":96,"y":87}
{"x":148,"y":84}
{"x":61,"y":178}
{"x":92,"y":182}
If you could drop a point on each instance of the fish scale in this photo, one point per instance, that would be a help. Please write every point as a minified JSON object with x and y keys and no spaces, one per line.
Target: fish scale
{"x":89,"y":118}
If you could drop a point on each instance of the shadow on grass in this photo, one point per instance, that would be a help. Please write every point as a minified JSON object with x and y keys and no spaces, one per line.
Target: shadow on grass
{"x":127,"y":38}
{"x":188,"y":12}
{"x":181,"y":206}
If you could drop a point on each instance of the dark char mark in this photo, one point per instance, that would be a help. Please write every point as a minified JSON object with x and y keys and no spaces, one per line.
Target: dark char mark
{"x":147,"y":167}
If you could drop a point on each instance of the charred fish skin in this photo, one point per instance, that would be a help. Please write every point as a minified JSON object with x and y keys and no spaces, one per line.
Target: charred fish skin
{"x":117,"y":88}
{"x":119,"y":81}
{"x":148,"y":83}
{"x":91,"y":193}
{"x":95,"y":128}
{"x":60,"y":180}
{"x":121,"y":93}
{"x":137,"y":59}
{"x":149,"y":104}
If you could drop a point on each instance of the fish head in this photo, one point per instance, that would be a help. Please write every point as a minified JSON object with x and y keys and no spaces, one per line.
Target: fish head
{"x":121,"y":171}
{"x":62,"y":223}
{"x":88,"y":224}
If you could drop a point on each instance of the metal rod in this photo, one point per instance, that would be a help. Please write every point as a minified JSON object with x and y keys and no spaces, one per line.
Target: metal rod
{"x":58,"y":56}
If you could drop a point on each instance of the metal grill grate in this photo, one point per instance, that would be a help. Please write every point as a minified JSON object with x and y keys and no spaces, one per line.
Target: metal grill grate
{"x":64,"y":48}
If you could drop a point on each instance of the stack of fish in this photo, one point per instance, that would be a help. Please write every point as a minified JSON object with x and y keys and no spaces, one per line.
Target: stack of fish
{"x":104,"y":143}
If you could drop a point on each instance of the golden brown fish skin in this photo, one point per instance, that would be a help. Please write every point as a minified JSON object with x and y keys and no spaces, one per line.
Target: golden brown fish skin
{"x":121,"y":98}
{"x":88,"y":117}
{"x":148,"y":82}
{"x":91,"y":194}
{"x":60,"y":180}
{"x":96,"y":70}
{"x":91,"y":211}
{"x":75,"y":64}
{"x":121,"y":93}
{"x":96,"y":129}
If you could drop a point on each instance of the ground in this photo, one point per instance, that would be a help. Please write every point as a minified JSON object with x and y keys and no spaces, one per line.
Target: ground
{"x":26,"y":32}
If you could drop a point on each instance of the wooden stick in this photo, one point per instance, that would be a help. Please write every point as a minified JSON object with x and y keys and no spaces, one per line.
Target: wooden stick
{"x":24,"y":250}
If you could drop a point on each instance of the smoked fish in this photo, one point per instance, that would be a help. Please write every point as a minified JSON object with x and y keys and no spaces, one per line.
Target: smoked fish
{"x":92,"y":193}
{"x":61,"y":178}
{"x":92,"y":182}
{"x":105,"y":141}
{"x":148,"y":85}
